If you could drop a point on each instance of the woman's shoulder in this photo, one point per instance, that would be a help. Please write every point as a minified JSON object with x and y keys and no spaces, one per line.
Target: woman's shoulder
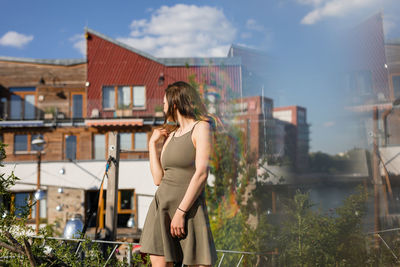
{"x":201,"y":127}
{"x":202,"y":123}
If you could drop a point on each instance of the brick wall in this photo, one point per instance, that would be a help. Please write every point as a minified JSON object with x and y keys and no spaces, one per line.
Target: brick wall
{"x":72,"y":202}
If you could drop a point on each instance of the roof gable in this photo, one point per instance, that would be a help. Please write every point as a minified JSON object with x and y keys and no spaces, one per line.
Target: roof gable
{"x":173,"y":61}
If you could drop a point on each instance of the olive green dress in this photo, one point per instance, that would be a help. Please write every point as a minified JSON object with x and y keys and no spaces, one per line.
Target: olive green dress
{"x":178,"y":162}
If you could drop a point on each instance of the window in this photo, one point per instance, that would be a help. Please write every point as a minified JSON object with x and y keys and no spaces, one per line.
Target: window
{"x":396,"y":86}
{"x":140,"y":141}
{"x":77,"y":105}
{"x":126,"y":200}
{"x":139,"y":96}
{"x":301,"y":117}
{"x":16,"y":107}
{"x":3,"y":107}
{"x":29,"y":107}
{"x":126,"y":207}
{"x":135,"y":141}
{"x":268,"y":109}
{"x":20,"y":142}
{"x":70,"y":147}
{"x":43,"y":209}
{"x":22,"y":103}
{"x":124,"y":97}
{"x":125,"y":141}
{"x":99,"y":146}
{"x":23,"y":143}
{"x":108,"y":97}
{"x":91,"y":202}
{"x":19,"y":202}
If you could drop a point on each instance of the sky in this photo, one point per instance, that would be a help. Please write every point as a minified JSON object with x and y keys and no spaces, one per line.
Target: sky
{"x":300,"y":37}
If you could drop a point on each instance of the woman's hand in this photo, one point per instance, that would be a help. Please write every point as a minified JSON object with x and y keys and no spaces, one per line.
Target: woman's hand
{"x":157,"y":134}
{"x":178,"y":224}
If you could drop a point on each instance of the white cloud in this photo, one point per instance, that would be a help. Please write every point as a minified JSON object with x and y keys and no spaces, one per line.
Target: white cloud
{"x":332,"y":8}
{"x":79,"y":43}
{"x":182,"y":30}
{"x":15,"y":39}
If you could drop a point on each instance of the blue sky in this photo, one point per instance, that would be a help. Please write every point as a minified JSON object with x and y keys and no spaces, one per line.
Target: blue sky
{"x":300,"y":36}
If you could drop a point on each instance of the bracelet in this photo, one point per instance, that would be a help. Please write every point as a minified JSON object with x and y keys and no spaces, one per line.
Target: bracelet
{"x":182,"y":210}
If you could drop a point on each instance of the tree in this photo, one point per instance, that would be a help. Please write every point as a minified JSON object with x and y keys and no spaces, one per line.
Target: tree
{"x":310,"y":238}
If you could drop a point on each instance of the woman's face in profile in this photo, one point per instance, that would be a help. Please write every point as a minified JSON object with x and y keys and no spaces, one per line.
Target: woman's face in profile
{"x":165,"y":104}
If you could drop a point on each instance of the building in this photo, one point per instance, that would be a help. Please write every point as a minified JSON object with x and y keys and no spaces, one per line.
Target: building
{"x":371,"y":80}
{"x":392,"y":49}
{"x":254,"y":69}
{"x":292,"y":135}
{"x":254,"y":116}
{"x":74,"y":104}
{"x":36,"y":96}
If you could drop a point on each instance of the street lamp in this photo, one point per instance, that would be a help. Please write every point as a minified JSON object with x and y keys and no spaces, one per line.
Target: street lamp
{"x":39,"y":194}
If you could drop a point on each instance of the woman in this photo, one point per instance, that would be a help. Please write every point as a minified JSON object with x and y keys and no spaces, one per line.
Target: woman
{"x":177,"y":227}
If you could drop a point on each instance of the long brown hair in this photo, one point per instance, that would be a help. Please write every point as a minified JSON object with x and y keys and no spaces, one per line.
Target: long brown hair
{"x":182,"y":97}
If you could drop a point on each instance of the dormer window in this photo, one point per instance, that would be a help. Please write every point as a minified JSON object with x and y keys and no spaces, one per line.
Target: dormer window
{"x":124,"y":97}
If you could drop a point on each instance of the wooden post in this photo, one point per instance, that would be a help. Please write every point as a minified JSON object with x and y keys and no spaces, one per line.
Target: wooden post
{"x":37,"y":219}
{"x":112,"y":186}
{"x":273,"y":202}
{"x":376,"y":177}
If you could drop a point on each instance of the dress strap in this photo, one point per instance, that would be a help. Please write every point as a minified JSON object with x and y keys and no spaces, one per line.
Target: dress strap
{"x":191,"y":131}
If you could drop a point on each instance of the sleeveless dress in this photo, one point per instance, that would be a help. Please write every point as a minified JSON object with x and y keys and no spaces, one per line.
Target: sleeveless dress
{"x":197,"y":247}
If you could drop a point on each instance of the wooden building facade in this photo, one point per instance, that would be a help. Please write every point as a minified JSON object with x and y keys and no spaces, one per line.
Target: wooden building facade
{"x":74,"y":104}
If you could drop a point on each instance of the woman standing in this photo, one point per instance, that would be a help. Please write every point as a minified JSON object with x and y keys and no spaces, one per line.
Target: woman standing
{"x":177,"y":227}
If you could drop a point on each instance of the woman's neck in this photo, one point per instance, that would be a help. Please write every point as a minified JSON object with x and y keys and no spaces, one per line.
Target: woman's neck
{"x":184,"y":122}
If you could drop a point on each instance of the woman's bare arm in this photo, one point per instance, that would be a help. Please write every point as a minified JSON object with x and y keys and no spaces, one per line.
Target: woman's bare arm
{"x":155,"y":164}
{"x":202,"y":140}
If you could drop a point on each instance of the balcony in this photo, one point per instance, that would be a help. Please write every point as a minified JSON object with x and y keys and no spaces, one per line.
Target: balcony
{"x":19,"y":112}
{"x":31,"y":116}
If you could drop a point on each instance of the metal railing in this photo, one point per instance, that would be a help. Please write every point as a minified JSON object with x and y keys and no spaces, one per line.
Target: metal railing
{"x":378,"y":234}
{"x":241,"y":253}
{"x":130,"y":246}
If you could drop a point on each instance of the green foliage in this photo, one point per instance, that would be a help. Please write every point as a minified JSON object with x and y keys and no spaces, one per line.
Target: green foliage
{"x":332,"y":164}
{"x":224,"y":166}
{"x":241,"y":219}
{"x":309,"y":238}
